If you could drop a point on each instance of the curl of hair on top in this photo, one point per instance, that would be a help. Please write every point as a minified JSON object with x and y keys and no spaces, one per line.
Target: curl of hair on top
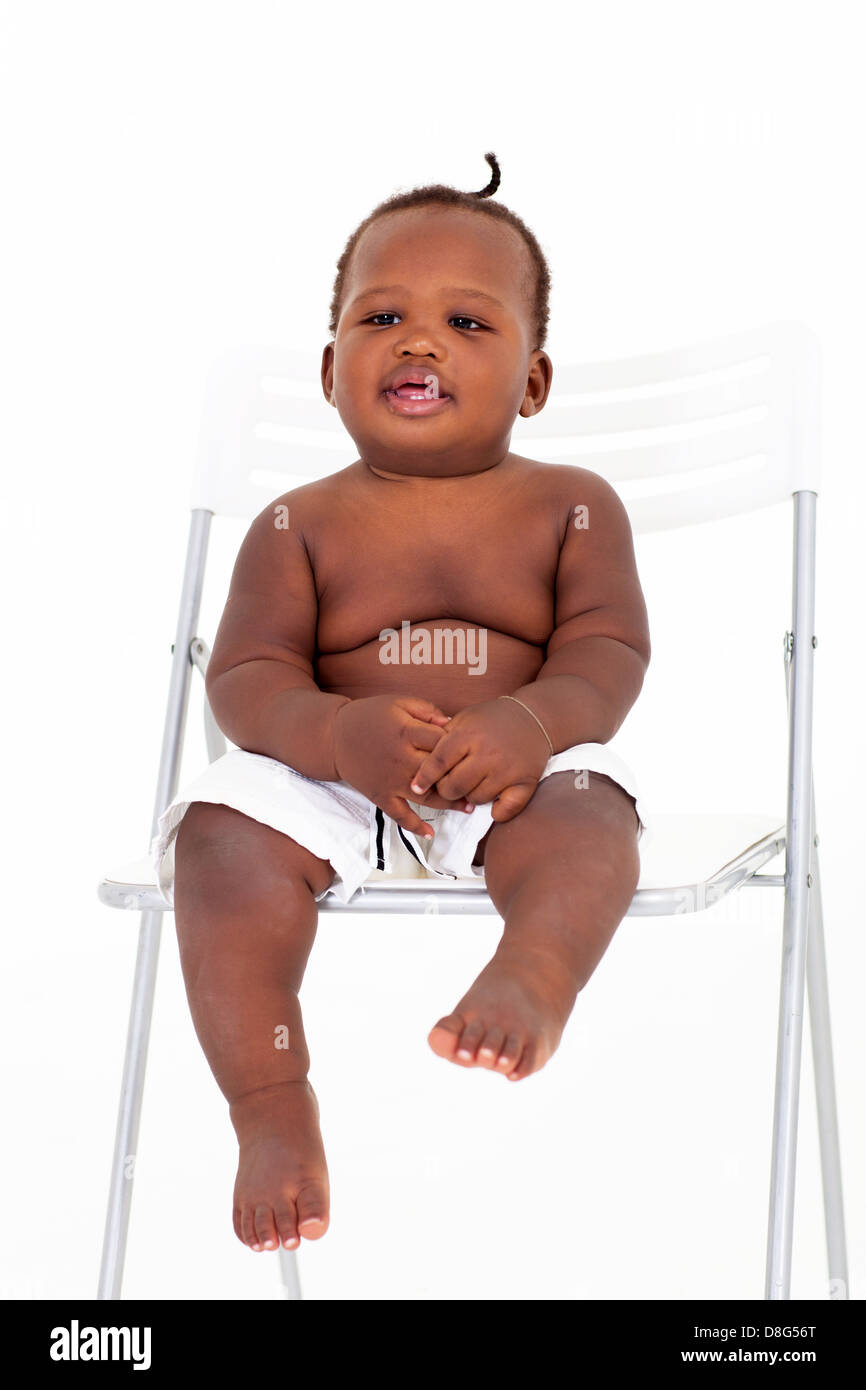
{"x":482,"y":202}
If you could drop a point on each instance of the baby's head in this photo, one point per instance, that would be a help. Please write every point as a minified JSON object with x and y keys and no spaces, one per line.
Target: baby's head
{"x":452,"y":289}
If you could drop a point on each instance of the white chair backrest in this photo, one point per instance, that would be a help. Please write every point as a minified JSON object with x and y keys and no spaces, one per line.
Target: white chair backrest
{"x":745,"y":410}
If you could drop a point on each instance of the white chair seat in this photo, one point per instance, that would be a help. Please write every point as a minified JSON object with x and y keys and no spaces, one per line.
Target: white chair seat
{"x":676,"y":849}
{"x":690,"y":847}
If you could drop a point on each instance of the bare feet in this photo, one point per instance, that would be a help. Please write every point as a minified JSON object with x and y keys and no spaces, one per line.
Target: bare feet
{"x":511,"y":1020}
{"x":281,"y":1190}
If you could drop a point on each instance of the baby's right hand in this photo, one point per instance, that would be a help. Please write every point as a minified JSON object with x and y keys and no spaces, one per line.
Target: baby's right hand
{"x":379,"y":744}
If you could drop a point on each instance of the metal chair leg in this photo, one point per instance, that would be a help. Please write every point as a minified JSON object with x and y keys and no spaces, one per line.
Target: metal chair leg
{"x":787,"y":1094}
{"x":289,"y":1273}
{"x":799,"y":934}
{"x":138,"y":1033}
{"x":796,"y":919}
{"x":825,"y":1089}
{"x":131,"y":1091}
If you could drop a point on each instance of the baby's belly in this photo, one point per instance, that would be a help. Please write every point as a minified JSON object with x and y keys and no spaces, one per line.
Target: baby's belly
{"x":451,"y":663}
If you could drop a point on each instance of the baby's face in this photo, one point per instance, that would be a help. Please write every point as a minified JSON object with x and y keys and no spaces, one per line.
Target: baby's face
{"x":443,"y":295}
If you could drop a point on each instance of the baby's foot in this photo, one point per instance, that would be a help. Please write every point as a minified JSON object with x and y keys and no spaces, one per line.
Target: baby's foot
{"x":512,"y":1018}
{"x":281,"y":1190}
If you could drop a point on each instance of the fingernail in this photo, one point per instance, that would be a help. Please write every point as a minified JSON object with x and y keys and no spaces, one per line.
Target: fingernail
{"x":469,"y":806}
{"x":415,"y":787}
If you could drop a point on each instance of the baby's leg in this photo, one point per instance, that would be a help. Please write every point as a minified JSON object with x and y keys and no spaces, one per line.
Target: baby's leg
{"x":562,"y":874}
{"x":245,"y":911}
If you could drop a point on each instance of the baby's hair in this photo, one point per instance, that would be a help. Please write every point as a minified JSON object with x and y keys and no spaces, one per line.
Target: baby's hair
{"x":440,"y":193}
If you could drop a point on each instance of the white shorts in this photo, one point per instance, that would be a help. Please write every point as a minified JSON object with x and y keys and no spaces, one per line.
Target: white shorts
{"x":336,"y":822}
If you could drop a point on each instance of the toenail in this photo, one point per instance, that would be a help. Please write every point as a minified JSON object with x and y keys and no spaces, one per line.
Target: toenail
{"x":257,"y":1247}
{"x":463,"y":1052}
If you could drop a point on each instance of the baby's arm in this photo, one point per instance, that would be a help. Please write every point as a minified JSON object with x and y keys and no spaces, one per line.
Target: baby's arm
{"x":261,"y":687}
{"x":260,"y":680}
{"x":599,"y":651}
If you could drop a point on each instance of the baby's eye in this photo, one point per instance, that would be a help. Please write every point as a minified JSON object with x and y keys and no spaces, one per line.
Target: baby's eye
{"x":461,"y":319}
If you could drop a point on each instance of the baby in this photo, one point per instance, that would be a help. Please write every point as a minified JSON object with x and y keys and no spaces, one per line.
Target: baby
{"x":442,"y":627}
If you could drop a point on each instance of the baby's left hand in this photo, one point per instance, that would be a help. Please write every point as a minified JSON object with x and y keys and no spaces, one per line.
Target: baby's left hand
{"x":488,"y":751}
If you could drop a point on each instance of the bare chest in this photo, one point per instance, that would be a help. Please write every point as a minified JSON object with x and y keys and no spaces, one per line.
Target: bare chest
{"x":487,"y":563}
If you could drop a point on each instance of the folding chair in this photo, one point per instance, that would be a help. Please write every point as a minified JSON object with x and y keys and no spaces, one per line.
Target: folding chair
{"x":259,"y":400}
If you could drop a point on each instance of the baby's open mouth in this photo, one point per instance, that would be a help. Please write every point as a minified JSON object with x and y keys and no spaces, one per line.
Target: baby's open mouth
{"x":411,"y":391}
{"x":421,"y":396}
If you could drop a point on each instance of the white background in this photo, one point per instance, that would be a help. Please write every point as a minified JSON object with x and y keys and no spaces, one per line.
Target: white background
{"x":179,"y":178}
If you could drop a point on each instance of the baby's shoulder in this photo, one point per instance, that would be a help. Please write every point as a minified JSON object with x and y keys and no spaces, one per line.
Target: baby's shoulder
{"x":566,"y":484}
{"x":304,"y":505}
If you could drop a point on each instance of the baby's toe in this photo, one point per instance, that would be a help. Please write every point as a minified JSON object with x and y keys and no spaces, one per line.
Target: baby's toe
{"x":509,"y":1057}
{"x":491,"y":1047}
{"x":287,"y":1226}
{"x":248,"y":1227}
{"x":526,"y":1064}
{"x":265,"y":1227}
{"x":445,"y":1035}
{"x":312,"y":1212}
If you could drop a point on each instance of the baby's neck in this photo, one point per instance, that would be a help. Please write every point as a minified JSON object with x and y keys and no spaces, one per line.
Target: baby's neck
{"x":470,"y":474}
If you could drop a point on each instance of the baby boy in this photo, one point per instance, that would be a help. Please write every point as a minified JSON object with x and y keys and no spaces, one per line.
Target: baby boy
{"x":325,"y":670}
